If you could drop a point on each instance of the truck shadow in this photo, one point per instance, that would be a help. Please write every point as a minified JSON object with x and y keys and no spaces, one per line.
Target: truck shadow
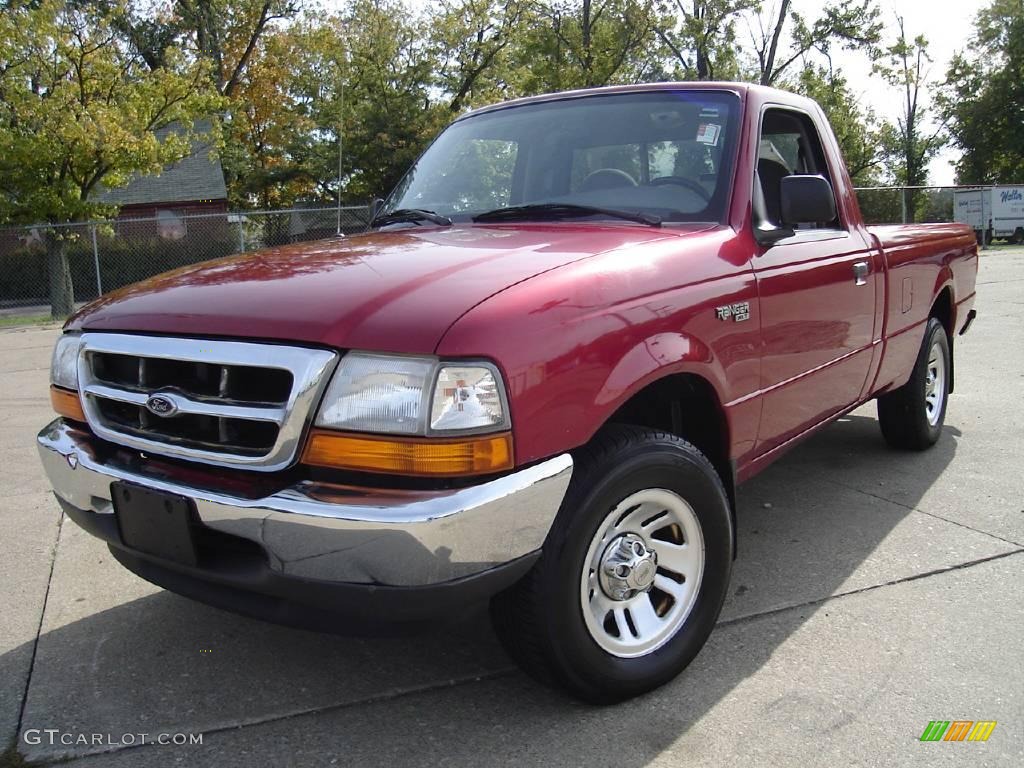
{"x":826,"y":519}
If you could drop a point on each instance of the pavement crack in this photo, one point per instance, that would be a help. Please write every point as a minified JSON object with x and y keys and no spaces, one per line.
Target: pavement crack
{"x":1000,"y":282}
{"x":1011,"y":542}
{"x":903,"y":580}
{"x":39,"y":628}
{"x":391,"y":695}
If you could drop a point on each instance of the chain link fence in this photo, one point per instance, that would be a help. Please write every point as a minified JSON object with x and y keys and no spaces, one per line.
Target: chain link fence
{"x":36,"y":283}
{"x":904,"y":205}
{"x":996,"y":213}
{"x":45,"y":271}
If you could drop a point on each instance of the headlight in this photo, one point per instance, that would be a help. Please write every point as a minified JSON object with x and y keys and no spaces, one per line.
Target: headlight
{"x":64,"y":364}
{"x":413,"y":396}
{"x":467,"y":398}
{"x":373,"y":393}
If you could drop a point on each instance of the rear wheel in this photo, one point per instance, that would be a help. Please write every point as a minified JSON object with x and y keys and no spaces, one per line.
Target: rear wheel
{"x":912,"y":416}
{"x":633,"y":573}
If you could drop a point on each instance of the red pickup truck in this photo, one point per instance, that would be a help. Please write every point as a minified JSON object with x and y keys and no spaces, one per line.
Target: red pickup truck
{"x":575,"y":326}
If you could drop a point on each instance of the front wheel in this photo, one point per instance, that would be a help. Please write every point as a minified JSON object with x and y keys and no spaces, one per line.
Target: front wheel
{"x":633,"y":573}
{"x":912,"y":416}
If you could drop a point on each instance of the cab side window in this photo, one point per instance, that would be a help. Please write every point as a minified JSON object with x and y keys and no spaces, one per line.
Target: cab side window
{"x":789,"y":144}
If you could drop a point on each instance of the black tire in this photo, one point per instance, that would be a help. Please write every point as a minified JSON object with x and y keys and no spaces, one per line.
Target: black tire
{"x":903,"y":413}
{"x":540,"y":619}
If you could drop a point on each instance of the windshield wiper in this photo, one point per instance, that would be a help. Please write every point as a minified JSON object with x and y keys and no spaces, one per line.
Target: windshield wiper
{"x":411,"y":215}
{"x":562,"y":211}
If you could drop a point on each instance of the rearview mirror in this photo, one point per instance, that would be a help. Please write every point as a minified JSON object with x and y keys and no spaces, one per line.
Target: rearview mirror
{"x":806,"y":199}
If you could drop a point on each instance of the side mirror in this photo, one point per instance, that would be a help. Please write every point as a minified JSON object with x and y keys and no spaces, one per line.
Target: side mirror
{"x":375,"y":207}
{"x":806,"y":200}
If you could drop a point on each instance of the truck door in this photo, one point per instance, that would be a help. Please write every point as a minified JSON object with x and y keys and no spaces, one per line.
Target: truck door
{"x":817,"y":293}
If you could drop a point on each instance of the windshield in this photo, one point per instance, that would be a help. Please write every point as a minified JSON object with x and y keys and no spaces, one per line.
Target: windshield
{"x":668,"y":154}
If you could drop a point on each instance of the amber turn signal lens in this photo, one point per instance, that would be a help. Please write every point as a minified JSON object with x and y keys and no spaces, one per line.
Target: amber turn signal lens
{"x":66,"y":403}
{"x":404,"y":456}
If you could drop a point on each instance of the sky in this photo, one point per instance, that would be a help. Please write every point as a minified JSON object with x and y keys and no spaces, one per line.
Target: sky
{"x":947,"y":25}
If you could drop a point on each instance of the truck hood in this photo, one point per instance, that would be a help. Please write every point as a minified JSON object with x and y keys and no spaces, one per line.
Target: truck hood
{"x":387,"y":291}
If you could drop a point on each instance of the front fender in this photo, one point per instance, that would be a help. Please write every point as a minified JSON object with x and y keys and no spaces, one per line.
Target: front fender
{"x":655,"y":357}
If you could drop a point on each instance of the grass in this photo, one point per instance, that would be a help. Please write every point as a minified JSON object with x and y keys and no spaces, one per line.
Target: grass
{"x":17,"y":321}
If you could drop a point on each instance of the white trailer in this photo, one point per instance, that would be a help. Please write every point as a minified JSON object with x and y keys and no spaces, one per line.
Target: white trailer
{"x":1007,"y":217}
{"x":967,"y":207}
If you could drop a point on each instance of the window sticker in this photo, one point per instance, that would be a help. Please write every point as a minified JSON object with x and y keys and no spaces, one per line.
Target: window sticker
{"x":708,"y":133}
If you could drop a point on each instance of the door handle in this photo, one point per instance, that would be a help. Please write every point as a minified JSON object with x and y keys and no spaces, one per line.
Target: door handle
{"x":861,"y":269}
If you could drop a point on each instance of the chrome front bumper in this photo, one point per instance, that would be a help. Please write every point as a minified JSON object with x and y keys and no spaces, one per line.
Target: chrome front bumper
{"x":337,"y":534}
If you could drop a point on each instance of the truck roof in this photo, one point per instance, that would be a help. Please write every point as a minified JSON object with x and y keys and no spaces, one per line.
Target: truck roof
{"x":740,"y":89}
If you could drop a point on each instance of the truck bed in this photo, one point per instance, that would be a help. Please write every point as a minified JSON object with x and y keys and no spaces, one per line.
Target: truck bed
{"x":922,"y":261}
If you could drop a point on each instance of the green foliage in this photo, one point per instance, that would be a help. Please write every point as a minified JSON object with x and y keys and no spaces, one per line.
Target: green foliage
{"x":472,"y":40}
{"x":847,"y":24}
{"x":700,"y":37}
{"x":566,"y":45}
{"x":226,"y":33}
{"x":983,"y":99}
{"x":366,"y":74}
{"x":78,"y":108}
{"x":857,"y":130}
{"x":283,"y":122}
{"x":390,"y":115}
{"x":374,"y":80}
{"x":880,"y":206}
{"x":913,"y":141}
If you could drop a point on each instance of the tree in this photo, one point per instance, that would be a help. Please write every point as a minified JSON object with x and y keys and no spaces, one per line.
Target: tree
{"x":851,"y":24}
{"x":983,"y":98}
{"x":278,"y":115}
{"x":913,"y":141}
{"x":226,"y":33}
{"x":582,"y":43}
{"x":857,"y":129}
{"x":700,"y":36}
{"x":389,"y":112}
{"x":472,"y":40}
{"x":79,"y":109}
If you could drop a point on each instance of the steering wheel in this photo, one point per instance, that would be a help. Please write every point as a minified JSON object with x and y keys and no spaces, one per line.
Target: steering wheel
{"x":682,"y":181}
{"x":607,"y":178}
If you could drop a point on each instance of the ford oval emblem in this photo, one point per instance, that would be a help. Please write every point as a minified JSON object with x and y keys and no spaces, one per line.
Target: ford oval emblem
{"x":159,"y":405}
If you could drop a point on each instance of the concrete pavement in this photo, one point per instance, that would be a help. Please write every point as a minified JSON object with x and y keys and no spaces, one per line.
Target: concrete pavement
{"x":874,"y":591}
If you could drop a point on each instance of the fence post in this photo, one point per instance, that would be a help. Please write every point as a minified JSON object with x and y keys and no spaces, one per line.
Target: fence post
{"x":984,"y":221}
{"x":96,"y":262}
{"x":241,"y":235}
{"x":903,"y":205}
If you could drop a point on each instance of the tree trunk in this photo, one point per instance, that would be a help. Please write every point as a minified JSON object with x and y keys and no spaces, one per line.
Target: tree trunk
{"x":768,"y":73}
{"x":703,"y":63}
{"x":62,"y":292}
{"x":588,"y":56}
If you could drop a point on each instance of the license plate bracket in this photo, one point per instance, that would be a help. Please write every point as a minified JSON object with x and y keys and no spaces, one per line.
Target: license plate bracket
{"x":155,"y":522}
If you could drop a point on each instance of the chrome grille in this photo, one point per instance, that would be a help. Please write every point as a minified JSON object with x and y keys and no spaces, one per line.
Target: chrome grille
{"x":227,"y":403}
{"x":242,"y":384}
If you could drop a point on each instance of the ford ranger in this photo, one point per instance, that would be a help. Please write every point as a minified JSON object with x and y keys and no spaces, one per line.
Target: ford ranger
{"x":578,"y":322}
